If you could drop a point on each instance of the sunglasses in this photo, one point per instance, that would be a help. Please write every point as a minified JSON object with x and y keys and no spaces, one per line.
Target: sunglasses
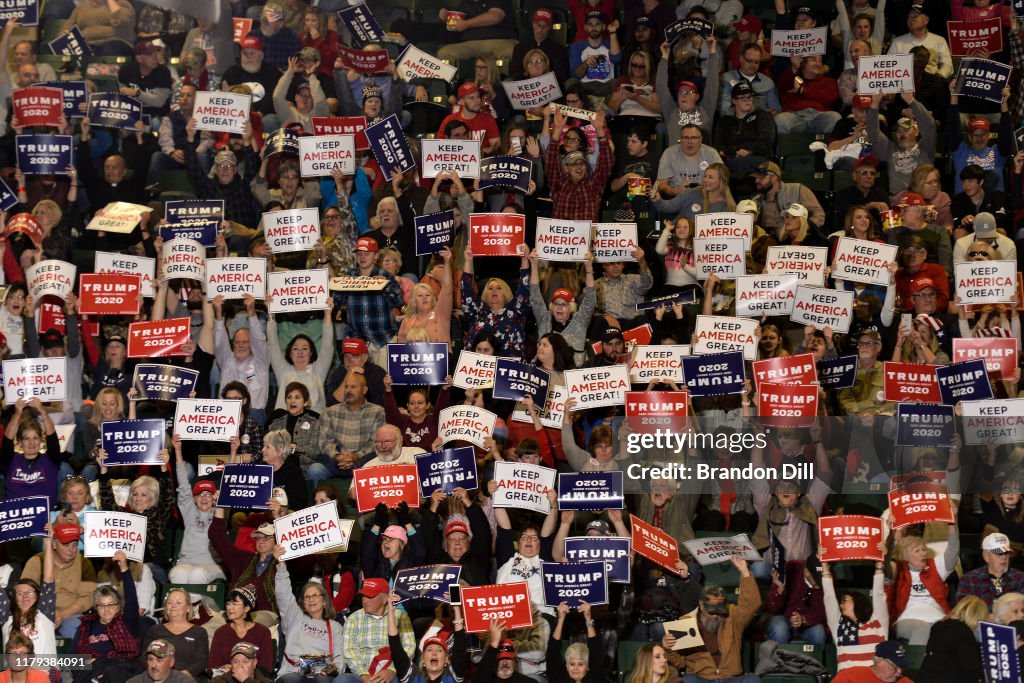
{"x":972,"y":254}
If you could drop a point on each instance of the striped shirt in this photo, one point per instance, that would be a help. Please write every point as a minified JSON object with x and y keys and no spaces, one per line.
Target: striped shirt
{"x":855,"y":642}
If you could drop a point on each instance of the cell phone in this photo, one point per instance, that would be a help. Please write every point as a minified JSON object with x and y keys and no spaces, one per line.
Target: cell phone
{"x":906,"y":320}
{"x":455,"y":593}
{"x":515,"y":145}
{"x":66,"y":510}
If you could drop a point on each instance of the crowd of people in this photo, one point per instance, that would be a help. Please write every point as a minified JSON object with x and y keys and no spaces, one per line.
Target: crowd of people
{"x":655,"y":124}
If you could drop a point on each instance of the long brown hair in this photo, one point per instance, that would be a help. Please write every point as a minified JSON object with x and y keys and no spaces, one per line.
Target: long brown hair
{"x":21,"y":619}
{"x":643,"y":666}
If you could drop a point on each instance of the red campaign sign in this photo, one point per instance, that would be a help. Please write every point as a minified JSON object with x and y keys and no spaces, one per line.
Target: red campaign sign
{"x":650,"y":410}
{"x":798,"y":369}
{"x":388,"y":484}
{"x":920,"y":502}
{"x":38,"y":106}
{"x":653,"y":543}
{"x":787,"y":405}
{"x":109,"y":294}
{"x":27,"y":224}
{"x":51,"y":315}
{"x":911,"y":382}
{"x":496,"y":234}
{"x":968,"y":37}
{"x":158,"y":338}
{"x":1000,"y":354}
{"x":508,"y":602}
{"x":242,"y":28}
{"x":343,"y":125}
{"x":638,"y":336}
{"x":850,"y":537}
{"x":364,"y":61}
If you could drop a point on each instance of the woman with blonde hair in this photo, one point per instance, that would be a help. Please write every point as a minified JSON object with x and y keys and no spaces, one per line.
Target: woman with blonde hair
{"x":916,"y":567}
{"x":651,"y":665}
{"x":425,"y":310}
{"x":796,"y":228}
{"x":713,"y":196}
{"x":108,"y":407}
{"x":57,"y":226}
{"x":771,"y":343}
{"x":191,"y":643}
{"x":952,"y":654}
{"x":919,"y":344}
{"x":634,"y":93}
{"x":495,"y":309}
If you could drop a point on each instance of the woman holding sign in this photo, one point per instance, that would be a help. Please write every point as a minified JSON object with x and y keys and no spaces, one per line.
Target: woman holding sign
{"x":495,"y":309}
{"x":32,"y":469}
{"x":919,"y":596}
{"x":918,"y":344}
{"x":580,"y":663}
{"x":194,"y":563}
{"x":563,"y":315}
{"x":434,"y":314}
{"x":856,"y":621}
{"x":109,"y":632}
{"x":436,"y":666}
{"x":313,"y":638}
{"x":33,"y":611}
{"x":301,"y":361}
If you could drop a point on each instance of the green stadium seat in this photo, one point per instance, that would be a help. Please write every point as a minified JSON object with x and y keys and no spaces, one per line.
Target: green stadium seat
{"x":626,"y":656}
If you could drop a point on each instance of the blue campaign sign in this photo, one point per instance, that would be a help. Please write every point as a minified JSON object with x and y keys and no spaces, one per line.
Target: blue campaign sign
{"x":999,"y":653}
{"x":982,"y":78}
{"x":434,"y":232}
{"x":23,"y":518}
{"x":390,"y":147}
{"x":839,"y":373}
{"x":505,"y":171}
{"x":71,"y":43}
{"x":590,"y":490}
{"x":164,"y":382}
{"x":447,"y":470}
{"x":25,"y":12}
{"x":202,"y":230}
{"x":419,"y":363}
{"x":247,"y":487}
{"x":45,"y":154}
{"x":281,"y":141}
{"x":361,"y":23}
{"x":1018,"y":8}
{"x":76,"y":97}
{"x":687,"y":296}
{"x":184,"y":210}
{"x":714,"y":374}
{"x":514,"y":381}
{"x":573,"y":582}
{"x":7,"y":196}
{"x":614,"y":551}
{"x":133,"y":442}
{"x":924,"y":424}
{"x":966,"y":381}
{"x":430,"y":581}
{"x":678,"y":29}
{"x":114,"y":110}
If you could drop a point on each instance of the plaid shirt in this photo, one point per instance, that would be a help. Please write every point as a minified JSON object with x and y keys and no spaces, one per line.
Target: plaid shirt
{"x":343,"y":430}
{"x":618,"y":298}
{"x":979,"y":582}
{"x":365,"y":636}
{"x":370,"y":314}
{"x":508,"y":324}
{"x":577,"y":201}
{"x":278,"y":47}
{"x":239,"y":205}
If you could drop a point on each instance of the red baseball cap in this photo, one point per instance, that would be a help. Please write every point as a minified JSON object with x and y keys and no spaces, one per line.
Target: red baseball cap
{"x":66,"y":533}
{"x":923,"y":283}
{"x":356,"y":347}
{"x":506,"y":649}
{"x":913,"y":199}
{"x":868,"y":160}
{"x":748,"y":23}
{"x":688,"y":84}
{"x":367,"y":244}
{"x":203,"y":486}
{"x":467,"y":89}
{"x":861,"y":102}
{"x":251,"y":43}
{"x":455,"y":527}
{"x":979,"y":124}
{"x":543,"y":15}
{"x":374,"y":587}
{"x":563,"y":294}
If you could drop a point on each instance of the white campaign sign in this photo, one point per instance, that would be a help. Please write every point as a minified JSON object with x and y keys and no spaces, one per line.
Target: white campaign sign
{"x":106,"y":532}
{"x":221,"y":112}
{"x":119,"y":217}
{"x":64,"y":433}
{"x":717,"y":333}
{"x":532,"y":92}
{"x":312,"y":530}
{"x":184,"y":259}
{"x":50,"y":277}
{"x":807,"y":262}
{"x":714,"y":550}
{"x":554,"y":408}
{"x":562,"y":240}
{"x":415,"y":63}
{"x":758,"y":295}
{"x":598,"y":387}
{"x":297,"y":290}
{"x":523,"y":486}
{"x":821,"y":308}
{"x":42,"y":378}
{"x":651,"y":362}
{"x":233,"y":278}
{"x":319,"y":155}
{"x":144,"y":266}
{"x":466,"y":423}
{"x":614,"y":242}
{"x":207,"y":419}
{"x":799,"y":41}
{"x":863,"y":261}
{"x":724,"y":225}
{"x":999,"y":421}
{"x":884,"y":74}
{"x":460,"y":156}
{"x":474,"y":371}
{"x":292,"y":230}
{"x":986,"y":282}
{"x":722,"y":256}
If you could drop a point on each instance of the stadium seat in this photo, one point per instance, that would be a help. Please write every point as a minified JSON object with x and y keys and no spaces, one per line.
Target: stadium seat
{"x":626,"y":656}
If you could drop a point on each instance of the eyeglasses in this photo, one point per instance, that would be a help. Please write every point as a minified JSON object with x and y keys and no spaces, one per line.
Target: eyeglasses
{"x":225,"y":164}
{"x":206,"y":494}
{"x":690,"y":138}
{"x":867,"y":171}
{"x":333,"y":217}
{"x":531,"y":537}
{"x":869,"y":343}
{"x":308,"y":598}
{"x":107,"y":605}
{"x":537,"y":61}
{"x":288,"y":176}
{"x":972,"y":254}
{"x":924,"y":295}
{"x":25,"y":594}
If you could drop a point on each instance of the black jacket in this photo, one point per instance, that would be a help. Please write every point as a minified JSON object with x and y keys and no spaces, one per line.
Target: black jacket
{"x":952,"y":655}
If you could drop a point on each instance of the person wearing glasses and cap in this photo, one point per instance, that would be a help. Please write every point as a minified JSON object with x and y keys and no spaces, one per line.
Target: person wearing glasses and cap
{"x":886,"y":666}
{"x":976,"y":150}
{"x":558,"y":57}
{"x":986,"y":232}
{"x":914,"y":214}
{"x":366,"y":634}
{"x":996,"y":577}
{"x":690,"y":105}
{"x":914,"y":145}
{"x":242,"y":667}
{"x":941,"y":61}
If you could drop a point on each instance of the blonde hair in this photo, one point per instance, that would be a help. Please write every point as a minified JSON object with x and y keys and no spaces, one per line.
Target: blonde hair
{"x":388,"y":251}
{"x":95,"y":419}
{"x":643,"y":666}
{"x":970,"y":609}
{"x":410,"y":308}
{"x":505,"y":289}
{"x":577,"y":651}
{"x":149,"y":484}
{"x":417,"y":334}
{"x":904,"y":545}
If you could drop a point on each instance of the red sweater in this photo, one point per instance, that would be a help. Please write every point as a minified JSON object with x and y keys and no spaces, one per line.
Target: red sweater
{"x":822,"y":93}
{"x":898,"y":592}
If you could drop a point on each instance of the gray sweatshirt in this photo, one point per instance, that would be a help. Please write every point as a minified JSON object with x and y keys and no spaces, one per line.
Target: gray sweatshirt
{"x":195,"y":545}
{"x":303,"y":634}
